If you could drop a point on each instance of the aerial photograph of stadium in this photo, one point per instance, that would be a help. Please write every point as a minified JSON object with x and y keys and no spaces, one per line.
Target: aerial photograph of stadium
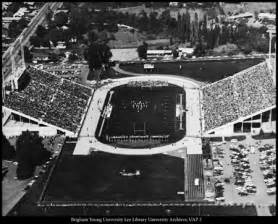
{"x":146,"y":109}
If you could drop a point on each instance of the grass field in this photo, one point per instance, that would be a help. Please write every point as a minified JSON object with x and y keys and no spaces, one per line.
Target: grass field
{"x":207,"y":71}
{"x":97,"y":178}
{"x":157,"y":115}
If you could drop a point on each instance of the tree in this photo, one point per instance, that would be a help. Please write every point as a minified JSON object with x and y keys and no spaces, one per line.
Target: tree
{"x":60,"y":19}
{"x":216,"y":35}
{"x":8,"y":151}
{"x":179,"y":26}
{"x":247,"y":48}
{"x":78,"y":21}
{"x":187,"y":24}
{"x":175,"y":53}
{"x":196,"y":27}
{"x":72,"y":57}
{"x":30,"y":153}
{"x":22,"y":23}
{"x":172,"y":26}
{"x":206,"y":149}
{"x":142,"y":51}
{"x":97,"y":55}
{"x":199,"y":48}
{"x":35,"y":41}
{"x":13,"y":30}
{"x":15,"y":6}
{"x":183,"y":28}
{"x":27,"y":55}
{"x":49,"y":16}
{"x":54,"y":36}
{"x":41,"y":31}
{"x":53,"y":57}
{"x":165,"y":17}
{"x":154,"y":24}
{"x":143,"y":21}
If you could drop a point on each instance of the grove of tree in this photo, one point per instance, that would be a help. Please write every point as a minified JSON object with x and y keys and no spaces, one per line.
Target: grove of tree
{"x":30,"y":153}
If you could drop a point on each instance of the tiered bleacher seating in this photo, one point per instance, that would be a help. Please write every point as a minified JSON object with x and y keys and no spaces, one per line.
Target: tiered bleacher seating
{"x":195,"y":191}
{"x":54,"y":100}
{"x":237,"y":96}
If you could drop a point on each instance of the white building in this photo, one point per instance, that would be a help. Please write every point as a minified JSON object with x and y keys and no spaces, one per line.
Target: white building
{"x":241,"y":16}
{"x":125,"y":27}
{"x":158,"y":53}
{"x":185,"y":51}
{"x":173,"y":4}
{"x":269,"y":16}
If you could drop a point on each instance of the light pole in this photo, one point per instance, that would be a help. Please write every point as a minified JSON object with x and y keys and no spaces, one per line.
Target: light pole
{"x":272,"y":33}
{"x":22,"y":53}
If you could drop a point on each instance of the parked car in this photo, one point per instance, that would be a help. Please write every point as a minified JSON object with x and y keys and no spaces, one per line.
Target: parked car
{"x":243,"y":193}
{"x":240,"y":182}
{"x":251,"y":190}
{"x":220,"y":199}
{"x":271,"y":191}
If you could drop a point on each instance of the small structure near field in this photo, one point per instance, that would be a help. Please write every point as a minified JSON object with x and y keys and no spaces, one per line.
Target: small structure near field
{"x":148,"y":67}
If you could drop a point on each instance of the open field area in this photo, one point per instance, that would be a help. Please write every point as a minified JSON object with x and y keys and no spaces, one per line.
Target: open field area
{"x":204,"y":71}
{"x":161,"y":177}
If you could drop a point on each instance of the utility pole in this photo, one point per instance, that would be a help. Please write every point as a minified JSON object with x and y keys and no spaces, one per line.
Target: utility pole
{"x":272,"y":33}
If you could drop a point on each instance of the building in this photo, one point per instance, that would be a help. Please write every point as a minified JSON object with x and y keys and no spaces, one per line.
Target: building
{"x":148,"y":67}
{"x":174,"y":4}
{"x":241,"y":16}
{"x":126,"y":28}
{"x":268,"y":16}
{"x":185,"y":52}
{"x":158,"y":53}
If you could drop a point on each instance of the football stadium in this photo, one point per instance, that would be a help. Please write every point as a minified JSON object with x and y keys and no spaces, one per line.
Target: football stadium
{"x":136,"y":141}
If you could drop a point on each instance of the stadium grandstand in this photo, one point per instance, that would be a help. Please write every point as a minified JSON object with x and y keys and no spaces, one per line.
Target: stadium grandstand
{"x":238,"y":97}
{"x":48,"y":100}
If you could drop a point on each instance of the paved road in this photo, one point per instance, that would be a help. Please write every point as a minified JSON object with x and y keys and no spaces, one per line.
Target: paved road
{"x":24,"y":37}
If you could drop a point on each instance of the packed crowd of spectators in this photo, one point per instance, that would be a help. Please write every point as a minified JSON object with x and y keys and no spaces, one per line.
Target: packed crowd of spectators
{"x":54,"y":100}
{"x":59,"y":66}
{"x":237,"y":96}
{"x":148,"y":83}
{"x":71,"y":72}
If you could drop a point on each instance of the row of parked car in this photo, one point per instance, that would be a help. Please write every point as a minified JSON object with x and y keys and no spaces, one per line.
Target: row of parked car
{"x":42,"y":171}
{"x":219,"y":191}
{"x":268,"y":166}
{"x":242,"y":170}
{"x":217,"y":165}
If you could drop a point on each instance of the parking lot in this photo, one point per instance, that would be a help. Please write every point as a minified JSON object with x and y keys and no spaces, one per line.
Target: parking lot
{"x":247,"y":169}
